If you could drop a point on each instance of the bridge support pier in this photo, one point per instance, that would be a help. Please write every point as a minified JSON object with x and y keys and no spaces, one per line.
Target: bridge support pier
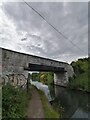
{"x":61,"y":79}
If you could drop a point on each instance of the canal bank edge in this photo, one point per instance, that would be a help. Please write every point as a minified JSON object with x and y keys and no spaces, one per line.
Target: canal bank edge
{"x":49,"y":112}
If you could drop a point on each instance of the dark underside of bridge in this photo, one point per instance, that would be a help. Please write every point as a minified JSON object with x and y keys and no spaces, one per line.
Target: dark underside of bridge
{"x":44,"y":68}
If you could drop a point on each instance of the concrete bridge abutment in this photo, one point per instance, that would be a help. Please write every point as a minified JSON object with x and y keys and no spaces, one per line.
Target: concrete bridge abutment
{"x":61,"y":79}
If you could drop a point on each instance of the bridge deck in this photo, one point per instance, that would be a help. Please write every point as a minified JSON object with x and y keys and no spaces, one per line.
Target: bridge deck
{"x":45,"y":68}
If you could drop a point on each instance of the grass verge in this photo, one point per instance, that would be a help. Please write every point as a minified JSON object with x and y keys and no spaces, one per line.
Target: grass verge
{"x":49,"y":112}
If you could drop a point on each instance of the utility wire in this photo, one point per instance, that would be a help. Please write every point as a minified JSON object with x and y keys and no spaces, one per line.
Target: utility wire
{"x":46,"y":20}
{"x":54,"y":27}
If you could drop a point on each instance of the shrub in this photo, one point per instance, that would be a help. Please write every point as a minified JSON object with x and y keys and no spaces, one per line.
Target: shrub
{"x":13,"y":102}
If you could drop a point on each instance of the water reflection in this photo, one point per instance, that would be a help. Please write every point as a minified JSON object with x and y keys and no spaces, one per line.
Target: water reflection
{"x":42,"y":87}
{"x":75,"y":103}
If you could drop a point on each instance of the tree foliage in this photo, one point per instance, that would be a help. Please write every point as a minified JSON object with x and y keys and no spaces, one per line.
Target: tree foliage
{"x":44,"y":77}
{"x":81,"y":78}
{"x":80,"y":66}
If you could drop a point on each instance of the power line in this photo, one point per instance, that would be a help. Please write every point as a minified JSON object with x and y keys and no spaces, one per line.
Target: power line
{"x":46,"y":20}
{"x":54,"y":27}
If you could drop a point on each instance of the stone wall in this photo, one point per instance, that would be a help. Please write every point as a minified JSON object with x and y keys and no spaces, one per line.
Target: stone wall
{"x":0,"y":64}
{"x":61,"y":79}
{"x":14,"y":79}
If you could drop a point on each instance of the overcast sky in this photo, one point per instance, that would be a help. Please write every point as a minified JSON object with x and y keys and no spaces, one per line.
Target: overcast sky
{"x":23,"y":30}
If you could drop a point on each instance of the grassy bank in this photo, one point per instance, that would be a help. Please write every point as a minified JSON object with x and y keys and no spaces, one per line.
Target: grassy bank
{"x":81,"y":78}
{"x":14,"y":102}
{"x":49,"y":112}
{"x":80,"y":82}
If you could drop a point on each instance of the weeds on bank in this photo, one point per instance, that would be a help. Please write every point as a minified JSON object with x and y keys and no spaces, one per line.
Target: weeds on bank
{"x":14,"y":102}
{"x":48,"y":110}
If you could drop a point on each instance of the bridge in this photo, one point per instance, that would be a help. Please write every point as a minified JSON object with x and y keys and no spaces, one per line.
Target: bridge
{"x":14,"y":63}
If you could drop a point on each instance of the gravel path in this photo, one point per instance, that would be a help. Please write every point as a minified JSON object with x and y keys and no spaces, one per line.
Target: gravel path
{"x":35,"y":108}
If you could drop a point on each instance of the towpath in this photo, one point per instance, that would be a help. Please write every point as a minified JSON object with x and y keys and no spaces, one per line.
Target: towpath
{"x":35,"y":108}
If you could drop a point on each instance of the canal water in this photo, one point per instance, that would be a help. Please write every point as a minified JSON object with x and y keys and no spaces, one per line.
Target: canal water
{"x":75,"y":104}
{"x":69,"y":103}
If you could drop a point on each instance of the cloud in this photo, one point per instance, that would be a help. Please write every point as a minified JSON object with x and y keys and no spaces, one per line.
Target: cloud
{"x":24,"y":30}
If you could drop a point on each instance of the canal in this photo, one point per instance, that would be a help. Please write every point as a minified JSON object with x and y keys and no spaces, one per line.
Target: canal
{"x":69,"y":103}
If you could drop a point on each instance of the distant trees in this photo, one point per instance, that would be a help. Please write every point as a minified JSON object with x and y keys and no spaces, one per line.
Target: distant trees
{"x":44,"y":77}
{"x":35,"y":76}
{"x":80,"y":66}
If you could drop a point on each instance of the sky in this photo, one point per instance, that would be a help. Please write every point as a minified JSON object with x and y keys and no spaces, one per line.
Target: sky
{"x":23,"y":30}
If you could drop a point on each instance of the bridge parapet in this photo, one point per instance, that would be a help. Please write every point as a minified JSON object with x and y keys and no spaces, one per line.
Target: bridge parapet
{"x":13,"y":58}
